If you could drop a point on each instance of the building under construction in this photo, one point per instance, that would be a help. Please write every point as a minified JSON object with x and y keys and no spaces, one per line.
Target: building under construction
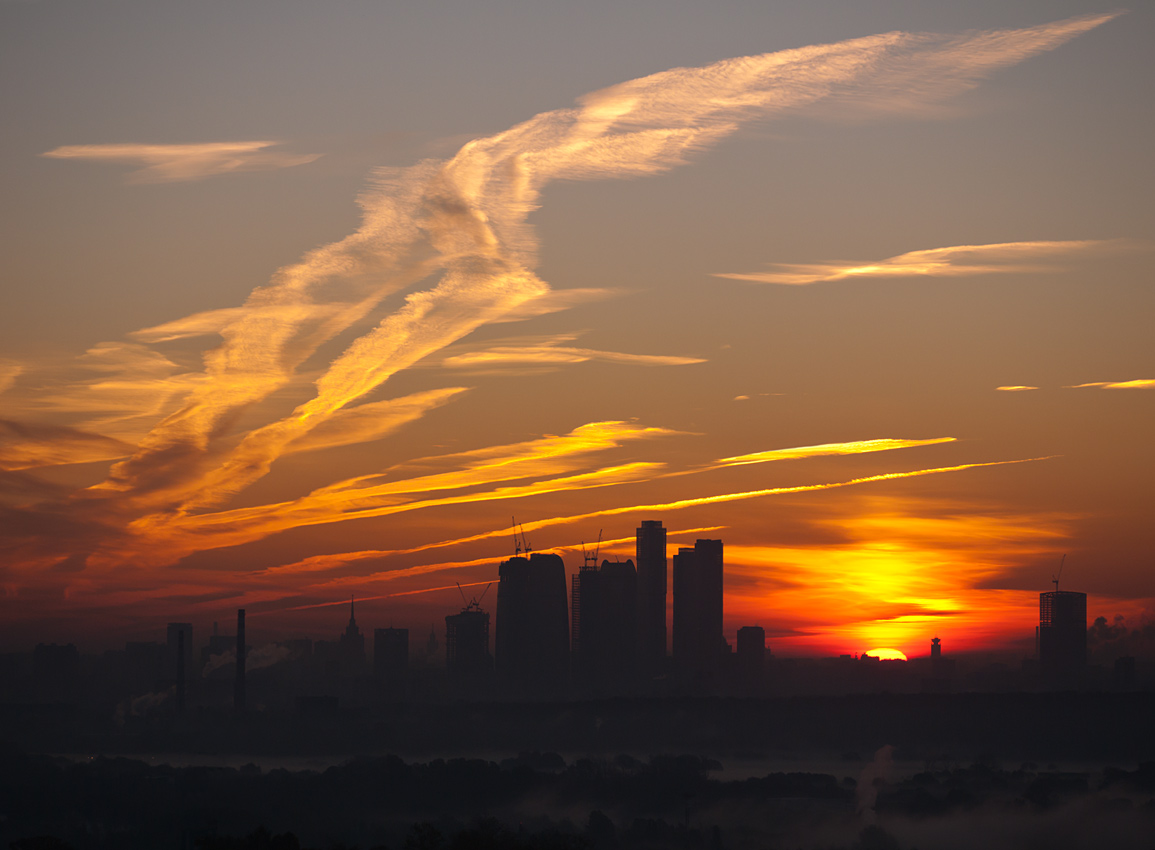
{"x":604,"y":615}
{"x":467,"y":642}
{"x":531,"y":647}
{"x":1062,"y":635}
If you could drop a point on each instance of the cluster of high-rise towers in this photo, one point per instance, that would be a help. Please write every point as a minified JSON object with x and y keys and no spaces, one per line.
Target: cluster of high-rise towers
{"x":610,"y":629}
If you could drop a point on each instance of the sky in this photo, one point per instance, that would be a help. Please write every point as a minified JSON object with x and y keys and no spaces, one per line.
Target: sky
{"x":305,"y":301}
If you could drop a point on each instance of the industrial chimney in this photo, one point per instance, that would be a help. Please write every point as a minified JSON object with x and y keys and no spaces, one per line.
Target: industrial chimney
{"x":239,"y":693}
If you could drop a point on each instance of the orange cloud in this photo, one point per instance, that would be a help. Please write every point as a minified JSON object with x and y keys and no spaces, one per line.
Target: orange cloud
{"x":548,"y":351}
{"x":1015,"y":389}
{"x":465,"y":219}
{"x":451,"y":243}
{"x":851,"y":448}
{"x":1142,"y":384}
{"x":26,"y":445}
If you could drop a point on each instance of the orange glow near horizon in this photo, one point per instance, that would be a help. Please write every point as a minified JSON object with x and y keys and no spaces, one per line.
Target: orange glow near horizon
{"x":886,"y":654}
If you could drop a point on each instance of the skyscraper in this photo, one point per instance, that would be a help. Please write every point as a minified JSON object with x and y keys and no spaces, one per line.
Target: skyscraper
{"x":651,"y":619}
{"x":172,"y":639}
{"x":1062,"y":635}
{"x":698,"y":641}
{"x":605,"y":604}
{"x":390,"y":653}
{"x":531,"y":648}
{"x":239,"y":682}
{"x":467,"y":643}
{"x":351,"y":647}
{"x":751,"y":651}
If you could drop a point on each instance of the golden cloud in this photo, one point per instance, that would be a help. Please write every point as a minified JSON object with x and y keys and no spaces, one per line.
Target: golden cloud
{"x":1141,"y":384}
{"x":850,"y":448}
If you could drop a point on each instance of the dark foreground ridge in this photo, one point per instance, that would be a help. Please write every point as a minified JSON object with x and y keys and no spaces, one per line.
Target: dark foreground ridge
{"x":539,"y":801}
{"x":1040,"y":727}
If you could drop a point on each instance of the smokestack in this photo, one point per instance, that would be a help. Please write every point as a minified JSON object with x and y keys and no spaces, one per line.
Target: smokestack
{"x":180,"y":672}
{"x":239,"y":693}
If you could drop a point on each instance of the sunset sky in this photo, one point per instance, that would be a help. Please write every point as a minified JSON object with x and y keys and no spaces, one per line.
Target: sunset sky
{"x":305,"y":300}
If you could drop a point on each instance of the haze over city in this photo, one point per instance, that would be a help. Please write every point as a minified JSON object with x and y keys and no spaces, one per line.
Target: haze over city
{"x":862,"y":289}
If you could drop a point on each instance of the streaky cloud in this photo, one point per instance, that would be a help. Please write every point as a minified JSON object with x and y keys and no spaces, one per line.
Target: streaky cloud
{"x":1017,"y":388}
{"x":184,"y":162}
{"x":953,"y":261}
{"x":10,"y":370}
{"x":466,"y":220}
{"x":333,"y":561}
{"x":451,"y":241}
{"x":319,"y":563}
{"x":849,"y":448}
{"x":552,"y":354}
{"x":27,"y":445}
{"x":390,"y":492}
{"x":372,"y":421}
{"x":1140,"y":384}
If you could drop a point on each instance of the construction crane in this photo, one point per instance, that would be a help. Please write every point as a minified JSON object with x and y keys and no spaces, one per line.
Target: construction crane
{"x":1055,"y":577}
{"x":519,"y":545}
{"x":590,"y":562}
{"x":473,"y":604}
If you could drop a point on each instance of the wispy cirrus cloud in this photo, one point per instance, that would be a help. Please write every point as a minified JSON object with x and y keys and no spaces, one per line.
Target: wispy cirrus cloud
{"x":9,"y":371}
{"x":1140,"y":384}
{"x":849,"y":448}
{"x":372,"y":421}
{"x":953,"y":261}
{"x":466,"y":219}
{"x":551,"y":351}
{"x":463,"y":225}
{"x":1015,"y":388}
{"x":26,"y":445}
{"x":329,"y":562}
{"x":184,"y":162}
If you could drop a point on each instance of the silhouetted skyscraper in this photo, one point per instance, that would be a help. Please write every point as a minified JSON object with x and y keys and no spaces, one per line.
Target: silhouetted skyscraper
{"x":698,"y":642}
{"x":532,"y":642}
{"x":180,"y":671}
{"x":467,"y":642}
{"x":390,"y":653}
{"x":935,"y":649}
{"x":1062,"y":635}
{"x":173,"y":636}
{"x":239,"y":685}
{"x":605,"y":603}
{"x":751,"y":650}
{"x":651,"y":619}
{"x":56,"y":671}
{"x":351,"y":647}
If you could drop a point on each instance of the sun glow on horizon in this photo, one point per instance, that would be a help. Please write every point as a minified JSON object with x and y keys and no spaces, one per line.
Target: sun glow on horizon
{"x":886,"y":654}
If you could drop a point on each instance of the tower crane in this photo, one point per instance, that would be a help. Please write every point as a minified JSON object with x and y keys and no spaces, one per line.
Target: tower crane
{"x":1055,"y":577}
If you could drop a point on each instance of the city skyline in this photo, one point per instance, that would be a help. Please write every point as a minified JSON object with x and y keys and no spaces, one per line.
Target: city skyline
{"x":872,"y":308}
